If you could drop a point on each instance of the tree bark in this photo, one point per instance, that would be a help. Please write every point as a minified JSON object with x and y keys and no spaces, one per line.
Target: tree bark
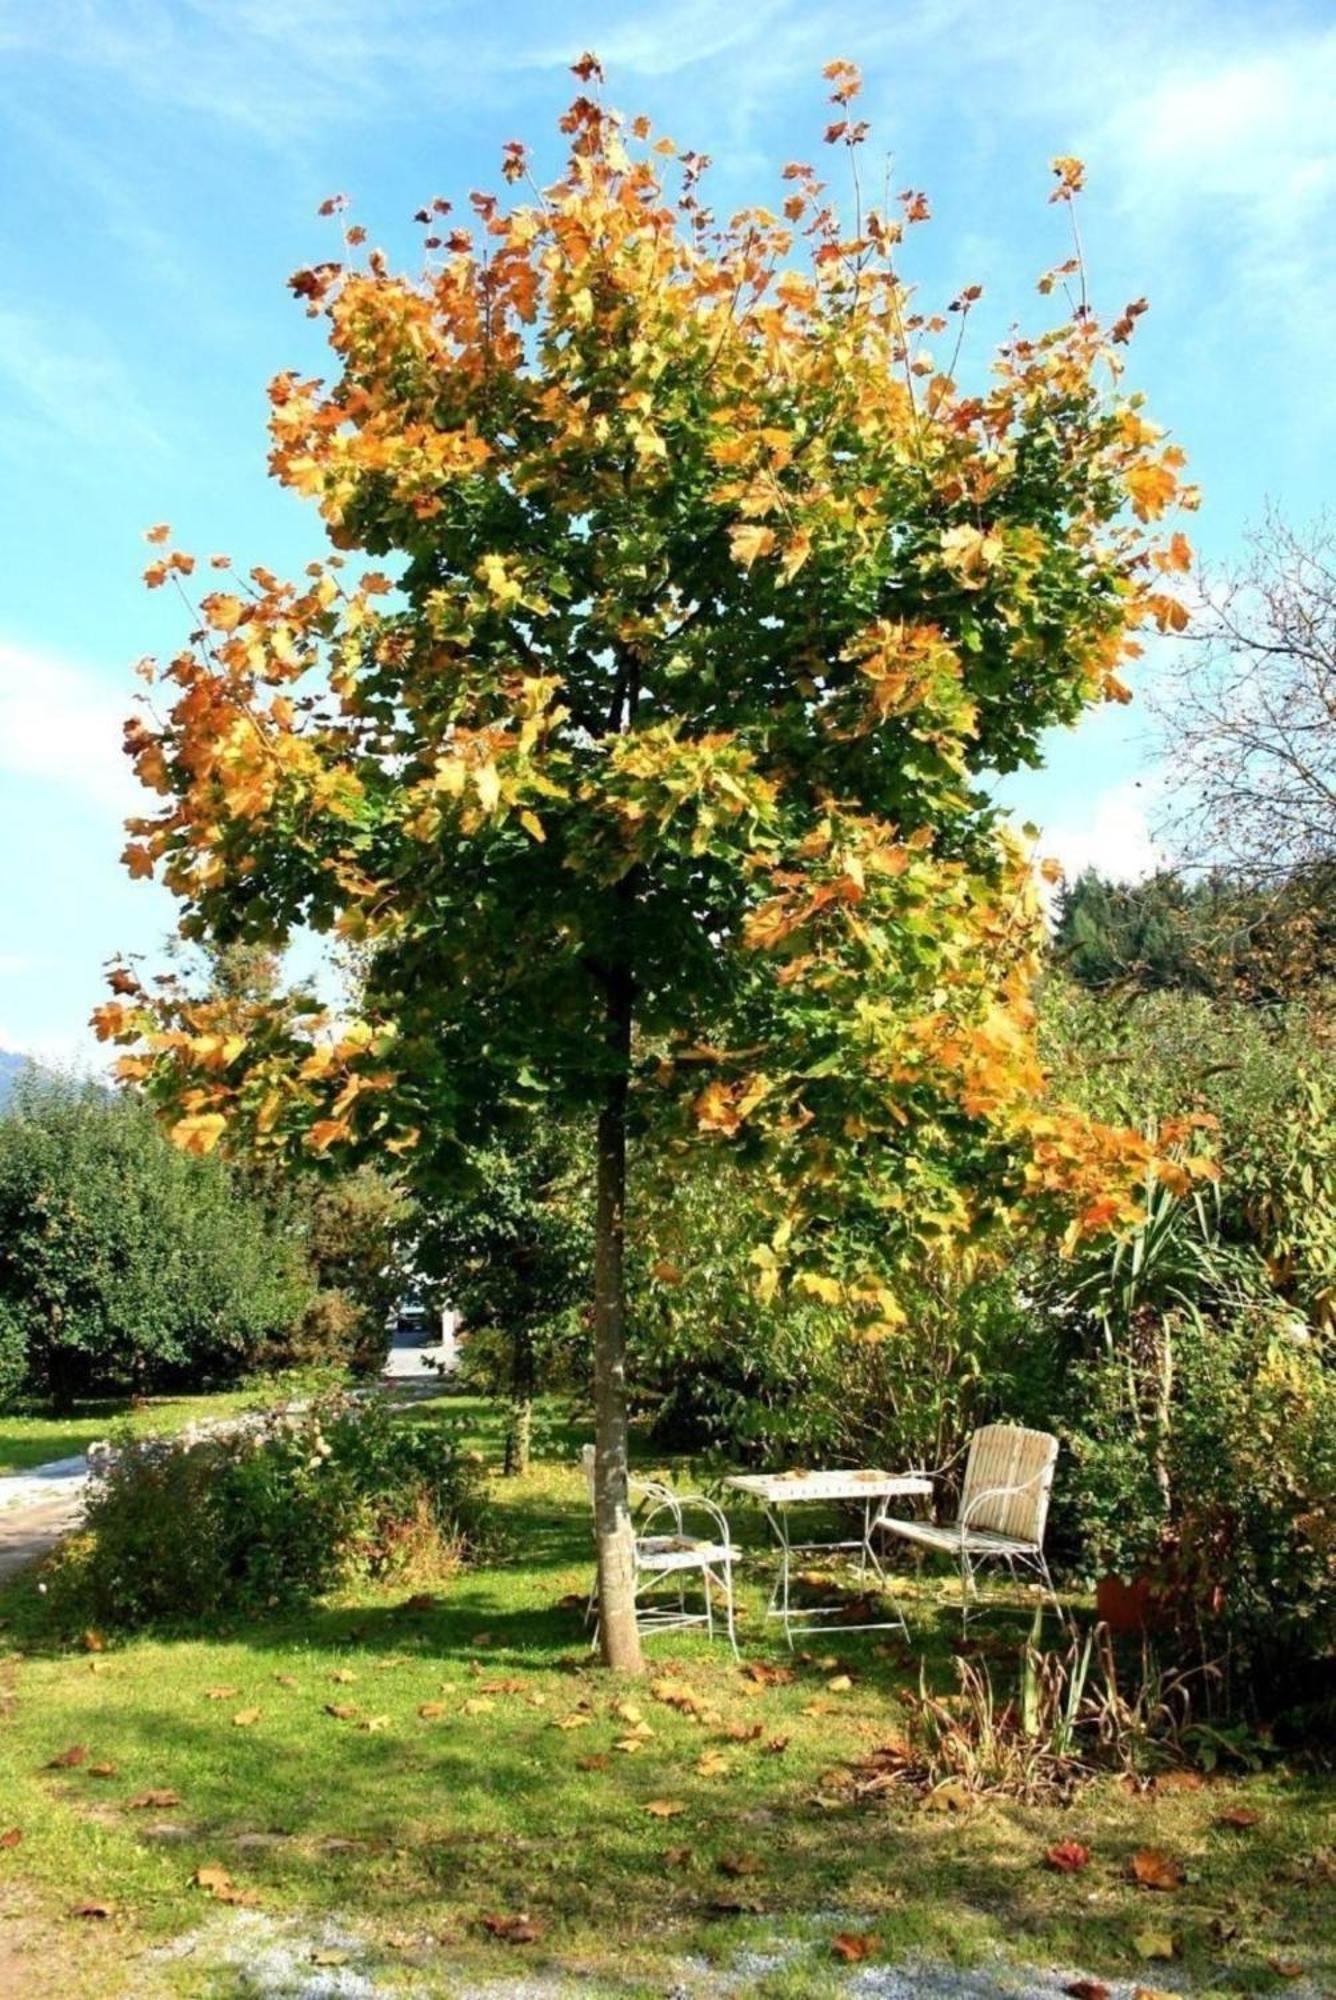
{"x":618,"y":1635}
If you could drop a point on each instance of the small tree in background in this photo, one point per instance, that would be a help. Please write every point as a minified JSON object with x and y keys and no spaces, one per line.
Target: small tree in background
{"x":650,"y":775}
{"x":512,"y":1248}
{"x":124,"y":1265}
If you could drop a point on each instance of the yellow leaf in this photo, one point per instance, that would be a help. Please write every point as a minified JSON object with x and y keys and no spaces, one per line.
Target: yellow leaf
{"x":200,"y":1133}
{"x":326,"y":1132}
{"x":750,"y":540}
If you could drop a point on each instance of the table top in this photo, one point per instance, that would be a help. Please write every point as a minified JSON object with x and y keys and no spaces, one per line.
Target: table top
{"x":782,"y":1488}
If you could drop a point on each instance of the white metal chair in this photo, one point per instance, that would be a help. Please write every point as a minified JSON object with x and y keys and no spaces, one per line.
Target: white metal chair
{"x":669,"y":1559}
{"x":1003,"y":1508}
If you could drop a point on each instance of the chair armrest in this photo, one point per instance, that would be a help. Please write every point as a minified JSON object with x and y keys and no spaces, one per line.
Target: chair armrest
{"x":997,"y":1493}
{"x":696,"y":1503}
{"x":656,"y":1500}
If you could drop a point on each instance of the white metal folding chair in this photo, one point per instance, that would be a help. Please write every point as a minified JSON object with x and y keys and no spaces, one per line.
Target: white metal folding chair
{"x":1003,"y":1509}
{"x":667,"y":1560}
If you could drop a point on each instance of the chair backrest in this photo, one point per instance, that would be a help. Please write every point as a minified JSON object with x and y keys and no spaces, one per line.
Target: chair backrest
{"x":1007,"y":1455}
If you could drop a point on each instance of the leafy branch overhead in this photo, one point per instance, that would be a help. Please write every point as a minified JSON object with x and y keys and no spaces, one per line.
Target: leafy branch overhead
{"x":710,"y":595}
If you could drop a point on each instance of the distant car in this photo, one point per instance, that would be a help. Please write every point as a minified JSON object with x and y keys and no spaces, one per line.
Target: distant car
{"x":412,"y":1317}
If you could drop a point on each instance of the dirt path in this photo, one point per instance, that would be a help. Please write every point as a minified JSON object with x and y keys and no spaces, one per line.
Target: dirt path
{"x":28,"y":1532}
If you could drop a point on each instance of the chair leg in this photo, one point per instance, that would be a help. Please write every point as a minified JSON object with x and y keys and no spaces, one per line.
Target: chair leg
{"x":728,"y":1605}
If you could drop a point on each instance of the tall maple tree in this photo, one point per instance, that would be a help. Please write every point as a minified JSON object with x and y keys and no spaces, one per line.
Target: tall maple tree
{"x":647,"y":781}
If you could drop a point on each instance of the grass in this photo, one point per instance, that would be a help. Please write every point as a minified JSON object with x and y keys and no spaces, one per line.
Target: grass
{"x":26,"y":1441}
{"x":406,"y":1832}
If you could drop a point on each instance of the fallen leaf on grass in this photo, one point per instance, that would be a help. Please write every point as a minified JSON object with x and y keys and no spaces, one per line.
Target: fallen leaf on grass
{"x":286,"y":1680}
{"x":713,"y":1764}
{"x":514,"y":1930}
{"x":421,"y":1600}
{"x":735,"y":1906}
{"x":342,"y":1711}
{"x":665,"y":1808}
{"x":1154,"y":1869}
{"x":1067,"y":1857}
{"x":477,"y":1704}
{"x":777,"y":1745}
{"x":573,"y":1721}
{"x":326,"y":1955}
{"x":91,"y":1910}
{"x":219,"y":1884}
{"x":69,"y":1760}
{"x":840,"y":1685}
{"x":767,"y":1676}
{"x":143,"y":1801}
{"x":950,"y":1796}
{"x":626,"y":1711}
{"x":430,"y":1710}
{"x":852,"y":1947}
{"x":372,"y":1723}
{"x":1286,"y":1968}
{"x":342,"y":1674}
{"x":221,"y":1693}
{"x":678,"y":1857}
{"x":740,"y":1864}
{"x":1087,"y":1989}
{"x":1238,"y":1817}
{"x":743,"y":1732}
{"x":630,"y":1746}
{"x":1179,"y":1781}
{"x":1154,"y":1944}
{"x":12,"y":1837}
{"x":598,"y":1760}
{"x":245,"y":1718}
{"x":102,"y":1770}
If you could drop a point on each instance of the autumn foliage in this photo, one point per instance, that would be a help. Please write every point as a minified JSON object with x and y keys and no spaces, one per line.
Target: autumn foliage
{"x":646,"y":767}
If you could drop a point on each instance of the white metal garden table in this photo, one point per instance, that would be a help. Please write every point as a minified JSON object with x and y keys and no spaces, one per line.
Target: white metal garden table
{"x":868,"y":1488}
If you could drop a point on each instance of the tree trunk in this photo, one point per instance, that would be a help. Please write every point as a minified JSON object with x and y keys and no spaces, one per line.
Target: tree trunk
{"x":619,"y":1638}
{"x":519,"y":1431}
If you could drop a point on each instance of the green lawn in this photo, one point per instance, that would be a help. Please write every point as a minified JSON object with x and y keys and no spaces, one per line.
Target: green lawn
{"x":397,"y":1833}
{"x":26,"y":1441}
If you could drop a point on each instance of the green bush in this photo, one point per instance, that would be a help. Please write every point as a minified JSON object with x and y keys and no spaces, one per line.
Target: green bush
{"x":272,"y":1513}
{"x":1223,"y":1494}
{"x":784,"y":1380}
{"x":13,"y":1353}
{"x":125,"y":1264}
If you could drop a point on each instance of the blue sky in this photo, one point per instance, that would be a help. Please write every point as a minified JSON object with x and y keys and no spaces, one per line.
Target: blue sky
{"x":163,"y":161}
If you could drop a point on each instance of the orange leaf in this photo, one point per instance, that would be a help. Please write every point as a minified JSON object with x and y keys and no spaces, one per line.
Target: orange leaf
{"x":1154,"y":1869}
{"x":854,"y":1946}
{"x":1067,"y":1857}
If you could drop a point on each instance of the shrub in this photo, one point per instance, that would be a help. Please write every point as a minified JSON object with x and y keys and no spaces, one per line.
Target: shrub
{"x":783,"y":1380}
{"x":355,"y":1236}
{"x":13,"y":1353}
{"x":124,"y":1263}
{"x":274,"y":1512}
{"x":1229,"y":1507}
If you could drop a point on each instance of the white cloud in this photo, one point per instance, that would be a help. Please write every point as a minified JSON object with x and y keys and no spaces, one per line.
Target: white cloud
{"x":1246,"y":148}
{"x":61,"y":725}
{"x":74,"y":1051}
{"x":73,"y":385}
{"x":1114,"y":837}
